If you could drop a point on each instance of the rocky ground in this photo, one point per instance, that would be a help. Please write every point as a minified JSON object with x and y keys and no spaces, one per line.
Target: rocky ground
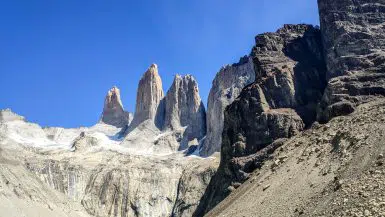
{"x":24,"y":194}
{"x":333,"y":169}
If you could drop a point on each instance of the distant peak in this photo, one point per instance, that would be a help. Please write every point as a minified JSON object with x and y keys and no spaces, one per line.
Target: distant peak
{"x":154,"y":66}
{"x":112,"y":99}
{"x":113,"y":112}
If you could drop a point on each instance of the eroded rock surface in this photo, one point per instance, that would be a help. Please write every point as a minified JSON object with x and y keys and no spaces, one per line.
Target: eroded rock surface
{"x":149,"y":97}
{"x":113,"y":112}
{"x":95,"y":174}
{"x":354,"y":42}
{"x":289,"y":82}
{"x":333,"y":169}
{"x":226,"y":87}
{"x":184,"y":108}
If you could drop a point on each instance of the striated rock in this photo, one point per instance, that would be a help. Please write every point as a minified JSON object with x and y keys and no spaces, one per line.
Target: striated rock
{"x":353,"y":36}
{"x":23,"y":194}
{"x":343,"y":94}
{"x":289,"y":82}
{"x":145,"y":186}
{"x":226,"y":87}
{"x":191,"y":186}
{"x":184,"y":108}
{"x":327,"y":170}
{"x":251,"y":133}
{"x":354,"y":42}
{"x":149,"y":97}
{"x":113,"y":112}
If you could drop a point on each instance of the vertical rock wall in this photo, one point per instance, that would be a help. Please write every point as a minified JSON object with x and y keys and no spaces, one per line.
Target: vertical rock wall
{"x":353,"y":34}
{"x":184,"y":108}
{"x":113,"y":112}
{"x":289,"y":82}
{"x":149,"y":98}
{"x":226,"y":87}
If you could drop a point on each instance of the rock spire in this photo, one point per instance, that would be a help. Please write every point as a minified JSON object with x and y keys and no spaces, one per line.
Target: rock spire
{"x":113,"y":112}
{"x":184,"y":107}
{"x":149,"y":105}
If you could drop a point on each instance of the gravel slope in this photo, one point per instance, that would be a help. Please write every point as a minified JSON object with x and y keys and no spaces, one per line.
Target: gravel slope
{"x":335,"y":169}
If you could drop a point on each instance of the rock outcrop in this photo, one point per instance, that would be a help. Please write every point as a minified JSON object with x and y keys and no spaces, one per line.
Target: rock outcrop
{"x":8,"y":115}
{"x":192,"y":185}
{"x":184,"y":108}
{"x":226,"y":87}
{"x":275,"y":159}
{"x":354,"y":42}
{"x":113,"y":112}
{"x":95,"y":174}
{"x":149,"y":105}
{"x":143,"y":187}
{"x":333,"y":169}
{"x":289,"y":82}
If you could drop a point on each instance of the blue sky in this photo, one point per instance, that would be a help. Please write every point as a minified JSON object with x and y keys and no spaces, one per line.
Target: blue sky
{"x":59,"y":58}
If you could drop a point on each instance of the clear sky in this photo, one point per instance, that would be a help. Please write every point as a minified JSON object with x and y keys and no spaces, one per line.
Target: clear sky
{"x":58,"y":58}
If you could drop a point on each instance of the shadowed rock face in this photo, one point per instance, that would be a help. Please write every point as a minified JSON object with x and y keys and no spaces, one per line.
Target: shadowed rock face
{"x":148,"y":99}
{"x":289,"y":82}
{"x":226,"y":87}
{"x":353,"y":35}
{"x":184,"y":108}
{"x":113,"y":112}
{"x":354,"y":42}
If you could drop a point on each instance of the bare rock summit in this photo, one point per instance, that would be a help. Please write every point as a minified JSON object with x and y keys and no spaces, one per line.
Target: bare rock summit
{"x":184,"y":108}
{"x":113,"y":111}
{"x":149,"y":97}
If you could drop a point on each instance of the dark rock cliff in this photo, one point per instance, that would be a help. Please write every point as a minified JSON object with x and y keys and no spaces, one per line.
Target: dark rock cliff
{"x":353,"y":38}
{"x":290,"y":80}
{"x":292,"y":67}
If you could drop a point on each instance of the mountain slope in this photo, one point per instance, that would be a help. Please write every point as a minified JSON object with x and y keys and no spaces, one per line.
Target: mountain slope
{"x":336,"y":169}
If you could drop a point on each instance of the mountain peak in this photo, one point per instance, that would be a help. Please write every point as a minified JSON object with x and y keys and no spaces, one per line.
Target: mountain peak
{"x":149,"y":96}
{"x":184,"y":107}
{"x":113,"y":112}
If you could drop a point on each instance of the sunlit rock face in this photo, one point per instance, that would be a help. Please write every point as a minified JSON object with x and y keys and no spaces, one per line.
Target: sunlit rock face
{"x":113,"y":112}
{"x":354,"y":43}
{"x":8,"y":115}
{"x":149,"y":105}
{"x":226,"y":87}
{"x":146,"y":187}
{"x":96,"y":173}
{"x":184,"y":108}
